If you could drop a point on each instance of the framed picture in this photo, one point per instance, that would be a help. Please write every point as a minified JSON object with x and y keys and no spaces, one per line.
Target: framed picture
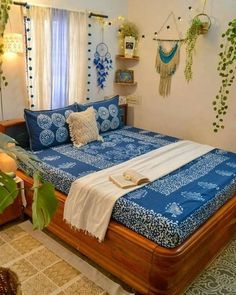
{"x":124,"y":76}
{"x":129,"y":45}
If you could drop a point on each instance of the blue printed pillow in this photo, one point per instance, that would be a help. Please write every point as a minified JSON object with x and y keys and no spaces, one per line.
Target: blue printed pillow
{"x":48,"y":128}
{"x":107,"y":113}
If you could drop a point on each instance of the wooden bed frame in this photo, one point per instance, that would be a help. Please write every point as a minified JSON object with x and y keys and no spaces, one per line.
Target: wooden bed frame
{"x":142,"y":264}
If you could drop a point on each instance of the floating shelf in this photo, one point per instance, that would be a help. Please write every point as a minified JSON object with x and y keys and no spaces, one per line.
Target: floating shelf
{"x":122,"y":57}
{"x":126,"y":84}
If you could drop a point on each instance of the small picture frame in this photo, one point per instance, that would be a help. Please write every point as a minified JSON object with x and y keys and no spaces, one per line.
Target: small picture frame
{"x":124,"y":76}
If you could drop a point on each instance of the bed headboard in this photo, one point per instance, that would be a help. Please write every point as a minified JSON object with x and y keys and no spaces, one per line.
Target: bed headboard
{"x":16,"y":129}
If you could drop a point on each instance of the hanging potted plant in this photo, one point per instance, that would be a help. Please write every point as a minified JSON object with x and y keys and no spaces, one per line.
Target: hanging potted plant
{"x":198,"y":26}
{"x":226,"y":69}
{"x":129,"y":35}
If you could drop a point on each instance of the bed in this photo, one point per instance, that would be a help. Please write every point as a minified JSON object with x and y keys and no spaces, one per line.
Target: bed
{"x":155,"y":247}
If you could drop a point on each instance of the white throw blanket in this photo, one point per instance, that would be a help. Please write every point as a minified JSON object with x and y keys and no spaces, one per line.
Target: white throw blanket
{"x":91,"y":198}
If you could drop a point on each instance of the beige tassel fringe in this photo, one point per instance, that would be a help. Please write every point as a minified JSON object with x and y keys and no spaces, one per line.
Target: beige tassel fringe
{"x":166,"y":72}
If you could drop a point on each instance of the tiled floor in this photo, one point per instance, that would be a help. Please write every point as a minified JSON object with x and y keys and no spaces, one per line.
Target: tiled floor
{"x":40,"y":271}
{"x":45,"y":267}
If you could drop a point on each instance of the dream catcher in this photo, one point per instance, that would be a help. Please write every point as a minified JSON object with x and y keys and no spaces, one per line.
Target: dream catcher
{"x":167,"y":59}
{"x":103,"y":62}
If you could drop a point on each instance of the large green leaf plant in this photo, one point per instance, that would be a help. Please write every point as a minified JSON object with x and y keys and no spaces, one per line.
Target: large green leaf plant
{"x":44,"y":201}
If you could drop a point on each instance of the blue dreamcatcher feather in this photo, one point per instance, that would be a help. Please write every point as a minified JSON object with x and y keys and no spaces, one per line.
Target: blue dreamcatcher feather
{"x":103,"y":63}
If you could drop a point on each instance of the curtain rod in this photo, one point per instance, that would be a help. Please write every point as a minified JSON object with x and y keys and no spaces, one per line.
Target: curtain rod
{"x":20,"y":3}
{"x":97,"y":15}
{"x":91,"y":14}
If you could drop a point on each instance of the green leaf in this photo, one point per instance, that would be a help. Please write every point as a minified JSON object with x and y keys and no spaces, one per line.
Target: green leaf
{"x":8,"y":191}
{"x":44,"y":203}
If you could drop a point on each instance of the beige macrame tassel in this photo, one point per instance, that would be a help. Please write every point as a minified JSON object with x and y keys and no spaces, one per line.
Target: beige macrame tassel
{"x":166,"y":71}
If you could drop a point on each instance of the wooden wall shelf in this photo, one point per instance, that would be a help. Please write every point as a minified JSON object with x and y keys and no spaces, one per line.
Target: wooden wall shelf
{"x":126,"y":84}
{"x":122,"y":57}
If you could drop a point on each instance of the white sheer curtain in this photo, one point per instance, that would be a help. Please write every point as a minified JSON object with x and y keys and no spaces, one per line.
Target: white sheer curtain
{"x":54,"y":83}
{"x":41,"y":56}
{"x":78,"y":56}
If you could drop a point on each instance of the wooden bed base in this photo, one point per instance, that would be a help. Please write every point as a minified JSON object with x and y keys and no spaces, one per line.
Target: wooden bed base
{"x":141,"y":263}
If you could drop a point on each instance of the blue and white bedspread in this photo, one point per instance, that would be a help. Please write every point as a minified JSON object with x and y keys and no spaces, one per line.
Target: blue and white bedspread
{"x":165,"y":211}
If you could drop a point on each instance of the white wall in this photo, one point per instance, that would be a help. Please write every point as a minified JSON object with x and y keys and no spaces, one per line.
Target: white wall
{"x":15,"y":96}
{"x":187,"y":112}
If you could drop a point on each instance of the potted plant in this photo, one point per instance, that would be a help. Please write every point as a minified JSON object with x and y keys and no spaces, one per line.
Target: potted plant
{"x":196,"y":28}
{"x":129,"y":35}
{"x":44,"y":200}
{"x":226,"y":69}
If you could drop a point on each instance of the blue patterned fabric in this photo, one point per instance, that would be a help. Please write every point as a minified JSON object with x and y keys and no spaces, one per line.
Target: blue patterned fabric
{"x":48,"y":128}
{"x":165,"y":211}
{"x":107,"y":113}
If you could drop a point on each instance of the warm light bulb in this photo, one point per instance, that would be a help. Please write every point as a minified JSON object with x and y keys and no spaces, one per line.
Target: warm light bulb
{"x":10,"y":55}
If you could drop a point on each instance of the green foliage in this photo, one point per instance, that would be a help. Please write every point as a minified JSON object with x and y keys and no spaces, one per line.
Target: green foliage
{"x":4,"y":15}
{"x":129,"y":29}
{"x":44,"y":205}
{"x":226,"y":69}
{"x":190,"y":41}
{"x":8,"y":191}
{"x":44,"y":200}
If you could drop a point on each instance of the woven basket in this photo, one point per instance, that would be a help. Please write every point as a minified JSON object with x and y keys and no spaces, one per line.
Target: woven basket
{"x":9,"y":282}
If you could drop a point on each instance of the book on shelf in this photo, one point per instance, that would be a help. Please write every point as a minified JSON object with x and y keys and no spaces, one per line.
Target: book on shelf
{"x":129,"y":178}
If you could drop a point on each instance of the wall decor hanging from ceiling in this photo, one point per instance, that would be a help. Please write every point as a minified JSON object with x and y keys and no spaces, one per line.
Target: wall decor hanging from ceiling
{"x":168,"y":57}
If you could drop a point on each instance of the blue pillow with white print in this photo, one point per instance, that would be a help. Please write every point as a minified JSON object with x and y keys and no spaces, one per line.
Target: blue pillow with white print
{"x":107,"y":113}
{"x":48,"y":128}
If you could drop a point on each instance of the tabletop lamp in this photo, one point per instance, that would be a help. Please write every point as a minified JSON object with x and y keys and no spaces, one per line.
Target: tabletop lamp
{"x":7,"y":164}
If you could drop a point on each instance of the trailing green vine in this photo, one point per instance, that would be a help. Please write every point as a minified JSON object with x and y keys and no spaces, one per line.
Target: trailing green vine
{"x":190,"y":41}
{"x":4,"y":16}
{"x":226,"y":68}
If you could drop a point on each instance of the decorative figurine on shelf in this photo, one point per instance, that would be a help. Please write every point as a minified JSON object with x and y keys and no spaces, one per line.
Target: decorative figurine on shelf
{"x":129,"y":35}
{"x":103,"y":63}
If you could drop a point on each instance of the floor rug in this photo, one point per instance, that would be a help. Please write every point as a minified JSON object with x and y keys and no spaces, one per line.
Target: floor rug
{"x":45,"y":267}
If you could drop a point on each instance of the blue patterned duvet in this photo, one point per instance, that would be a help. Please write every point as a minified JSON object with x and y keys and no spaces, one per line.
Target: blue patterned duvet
{"x":165,"y":211}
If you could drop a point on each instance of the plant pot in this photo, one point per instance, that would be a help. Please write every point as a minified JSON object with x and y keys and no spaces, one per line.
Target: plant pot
{"x":129,"y":46}
{"x":204,"y":28}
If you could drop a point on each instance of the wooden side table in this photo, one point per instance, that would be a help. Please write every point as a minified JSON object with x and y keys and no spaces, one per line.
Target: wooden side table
{"x":123,"y":112}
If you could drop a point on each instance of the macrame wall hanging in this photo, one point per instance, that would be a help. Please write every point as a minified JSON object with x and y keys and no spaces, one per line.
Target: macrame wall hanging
{"x":102,"y":61}
{"x":167,"y":59}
